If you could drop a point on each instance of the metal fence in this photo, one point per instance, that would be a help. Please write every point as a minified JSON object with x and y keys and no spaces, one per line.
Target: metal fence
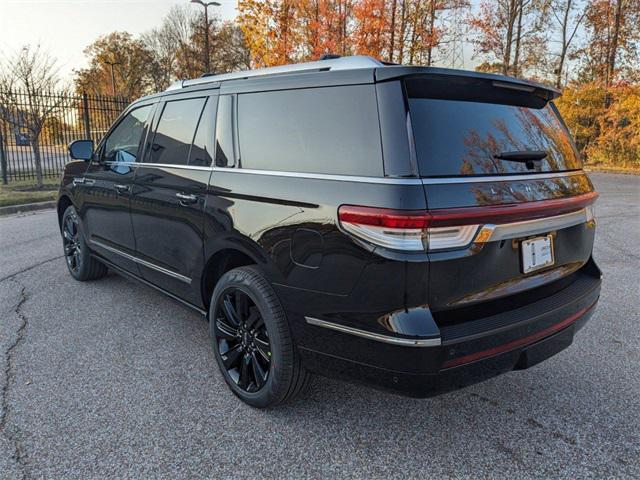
{"x":36,"y":127}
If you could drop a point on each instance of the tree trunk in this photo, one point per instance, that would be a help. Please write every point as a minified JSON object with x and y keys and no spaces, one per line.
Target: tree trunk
{"x":37,"y":160}
{"x":565,"y":46}
{"x":506,"y":59}
{"x":516,"y":56}
{"x":393,"y":31}
{"x":432,"y":22}
{"x":613,"y":49}
{"x":403,"y":27}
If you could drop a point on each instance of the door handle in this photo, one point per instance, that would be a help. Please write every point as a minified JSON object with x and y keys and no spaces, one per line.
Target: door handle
{"x":79,"y":181}
{"x":122,"y":188}
{"x":186,"y":199}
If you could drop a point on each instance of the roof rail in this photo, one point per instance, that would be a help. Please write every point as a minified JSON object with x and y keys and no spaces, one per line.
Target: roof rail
{"x":332,"y":64}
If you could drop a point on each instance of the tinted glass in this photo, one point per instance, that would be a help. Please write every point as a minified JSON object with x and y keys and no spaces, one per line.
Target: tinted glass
{"x":123,"y":142}
{"x":203,"y":143}
{"x":224,"y":132}
{"x":318,"y":130}
{"x":455,"y":137}
{"x":175,"y":131}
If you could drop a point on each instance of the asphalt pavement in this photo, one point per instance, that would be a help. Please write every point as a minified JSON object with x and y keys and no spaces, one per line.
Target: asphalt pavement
{"x":111,"y":379}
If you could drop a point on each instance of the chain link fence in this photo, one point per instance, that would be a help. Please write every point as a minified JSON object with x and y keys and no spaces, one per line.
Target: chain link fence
{"x":36,"y":127}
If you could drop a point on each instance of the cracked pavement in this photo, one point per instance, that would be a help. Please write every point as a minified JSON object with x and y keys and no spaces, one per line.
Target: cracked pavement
{"x":111,"y":379}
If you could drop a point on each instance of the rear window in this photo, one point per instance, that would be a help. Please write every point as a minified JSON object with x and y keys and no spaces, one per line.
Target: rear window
{"x":317,"y":130}
{"x":459,"y":137}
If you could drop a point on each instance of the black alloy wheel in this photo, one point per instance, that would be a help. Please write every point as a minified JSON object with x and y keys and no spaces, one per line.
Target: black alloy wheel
{"x":243,"y":340}
{"x":72,"y":243}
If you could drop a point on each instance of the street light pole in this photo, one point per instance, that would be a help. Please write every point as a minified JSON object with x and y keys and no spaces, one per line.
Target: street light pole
{"x":206,"y":5}
{"x":113,"y":76}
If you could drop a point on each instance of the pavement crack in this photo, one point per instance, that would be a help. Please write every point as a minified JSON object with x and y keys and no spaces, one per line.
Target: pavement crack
{"x":10,"y":373}
{"x":13,"y":275}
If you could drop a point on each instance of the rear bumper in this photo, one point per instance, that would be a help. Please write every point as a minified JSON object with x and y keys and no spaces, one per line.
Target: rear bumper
{"x":467,"y":353}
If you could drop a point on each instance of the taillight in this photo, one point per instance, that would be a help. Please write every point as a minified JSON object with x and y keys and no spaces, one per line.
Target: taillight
{"x":449,"y":228}
{"x":407,"y":230}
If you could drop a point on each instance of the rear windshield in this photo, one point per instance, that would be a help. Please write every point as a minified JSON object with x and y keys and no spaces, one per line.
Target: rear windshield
{"x":459,"y":137}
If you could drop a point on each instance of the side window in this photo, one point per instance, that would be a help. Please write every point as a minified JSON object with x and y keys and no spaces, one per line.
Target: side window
{"x":316,"y":130}
{"x":175,"y":131}
{"x":225,"y":156}
{"x":123,"y":142}
{"x":203,"y":143}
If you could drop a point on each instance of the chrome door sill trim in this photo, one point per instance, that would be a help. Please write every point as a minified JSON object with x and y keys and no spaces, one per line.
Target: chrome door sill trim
{"x":405,"y":342}
{"x":139,"y":261}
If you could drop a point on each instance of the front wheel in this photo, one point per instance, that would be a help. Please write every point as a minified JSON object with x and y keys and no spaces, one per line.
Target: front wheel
{"x":252,"y":341}
{"x":82,"y":266}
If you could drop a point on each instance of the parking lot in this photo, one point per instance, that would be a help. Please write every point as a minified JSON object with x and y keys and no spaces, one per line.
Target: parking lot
{"x":111,"y":379}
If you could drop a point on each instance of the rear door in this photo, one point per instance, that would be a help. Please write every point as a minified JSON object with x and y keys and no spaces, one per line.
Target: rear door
{"x":169,"y":194}
{"x":501,"y":162}
{"x":105,"y":190}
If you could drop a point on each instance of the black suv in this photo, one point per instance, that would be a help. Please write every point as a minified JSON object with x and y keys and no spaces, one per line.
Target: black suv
{"x":418,"y":229}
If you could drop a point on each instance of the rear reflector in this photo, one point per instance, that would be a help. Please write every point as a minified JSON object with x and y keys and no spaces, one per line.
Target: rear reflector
{"x":442,"y":229}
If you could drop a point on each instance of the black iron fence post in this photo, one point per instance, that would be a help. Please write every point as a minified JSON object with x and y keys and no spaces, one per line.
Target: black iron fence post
{"x":85,"y":116}
{"x":3,"y":160}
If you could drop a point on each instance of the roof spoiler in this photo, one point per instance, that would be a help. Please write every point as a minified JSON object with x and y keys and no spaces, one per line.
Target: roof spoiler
{"x":508,"y":84}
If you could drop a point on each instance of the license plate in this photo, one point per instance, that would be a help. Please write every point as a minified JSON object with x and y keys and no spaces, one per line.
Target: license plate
{"x":537,"y":253}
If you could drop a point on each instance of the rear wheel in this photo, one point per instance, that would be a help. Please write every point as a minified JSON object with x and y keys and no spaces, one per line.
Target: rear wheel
{"x":252,"y":341}
{"x":82,"y":266}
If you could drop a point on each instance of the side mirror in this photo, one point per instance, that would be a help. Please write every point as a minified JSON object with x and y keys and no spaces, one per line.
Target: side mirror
{"x":81,"y":150}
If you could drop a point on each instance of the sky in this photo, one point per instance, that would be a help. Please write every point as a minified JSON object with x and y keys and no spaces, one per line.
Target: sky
{"x":64,"y":28}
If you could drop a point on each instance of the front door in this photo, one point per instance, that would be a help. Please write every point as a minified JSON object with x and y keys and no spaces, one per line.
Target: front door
{"x":105,"y":190}
{"x":170,"y":187}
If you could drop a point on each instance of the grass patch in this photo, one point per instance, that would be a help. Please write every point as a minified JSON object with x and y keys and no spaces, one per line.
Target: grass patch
{"x":24,"y":191}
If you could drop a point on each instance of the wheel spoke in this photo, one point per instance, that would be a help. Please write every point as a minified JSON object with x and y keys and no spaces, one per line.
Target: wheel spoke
{"x":69,"y":249}
{"x":226,"y":331}
{"x":244,"y":379}
{"x":230,"y":359}
{"x":259,"y":374}
{"x":230,"y":311}
{"x":254,"y":320}
{"x":263,"y":348}
{"x":242,"y":305}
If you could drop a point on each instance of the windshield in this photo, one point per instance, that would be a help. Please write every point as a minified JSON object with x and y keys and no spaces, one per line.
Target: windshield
{"x":459,"y":137}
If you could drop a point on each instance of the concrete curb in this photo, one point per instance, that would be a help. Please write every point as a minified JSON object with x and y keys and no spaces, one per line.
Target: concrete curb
{"x":27,"y":207}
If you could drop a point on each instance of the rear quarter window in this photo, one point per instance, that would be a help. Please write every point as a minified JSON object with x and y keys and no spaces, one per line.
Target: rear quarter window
{"x":459,"y":137}
{"x":331,"y":130}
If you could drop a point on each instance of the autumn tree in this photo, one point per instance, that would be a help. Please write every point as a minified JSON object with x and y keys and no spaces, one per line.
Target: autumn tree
{"x":613,"y":31}
{"x":27,"y":81}
{"x":511,"y":33}
{"x":117,"y":63}
{"x":568,"y":15}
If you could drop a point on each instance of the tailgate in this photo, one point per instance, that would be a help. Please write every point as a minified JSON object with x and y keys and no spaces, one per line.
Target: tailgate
{"x":505,"y":166}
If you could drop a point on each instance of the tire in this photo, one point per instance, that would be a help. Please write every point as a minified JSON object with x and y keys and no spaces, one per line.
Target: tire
{"x":240,"y":296}
{"x":81,"y":265}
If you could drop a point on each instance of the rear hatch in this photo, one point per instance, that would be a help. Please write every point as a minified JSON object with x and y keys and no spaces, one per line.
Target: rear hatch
{"x":511,"y":206}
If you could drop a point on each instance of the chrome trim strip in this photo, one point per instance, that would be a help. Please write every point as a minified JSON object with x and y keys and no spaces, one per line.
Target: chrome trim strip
{"x":499,"y":178}
{"x":323,"y":176}
{"x":360,"y":178}
{"x":152,"y":266}
{"x":507,"y":231}
{"x":404,"y":342}
{"x":162,"y":165}
{"x":400,"y":181}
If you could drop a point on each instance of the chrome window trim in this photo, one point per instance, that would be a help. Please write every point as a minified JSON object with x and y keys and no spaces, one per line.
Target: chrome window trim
{"x":361,"y":179}
{"x":404,"y":342}
{"x":400,"y":181}
{"x":139,"y":261}
{"x":162,"y":165}
{"x":500,"y":178}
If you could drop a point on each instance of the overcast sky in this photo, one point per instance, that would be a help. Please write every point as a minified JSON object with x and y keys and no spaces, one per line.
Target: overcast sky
{"x":66,"y":27}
